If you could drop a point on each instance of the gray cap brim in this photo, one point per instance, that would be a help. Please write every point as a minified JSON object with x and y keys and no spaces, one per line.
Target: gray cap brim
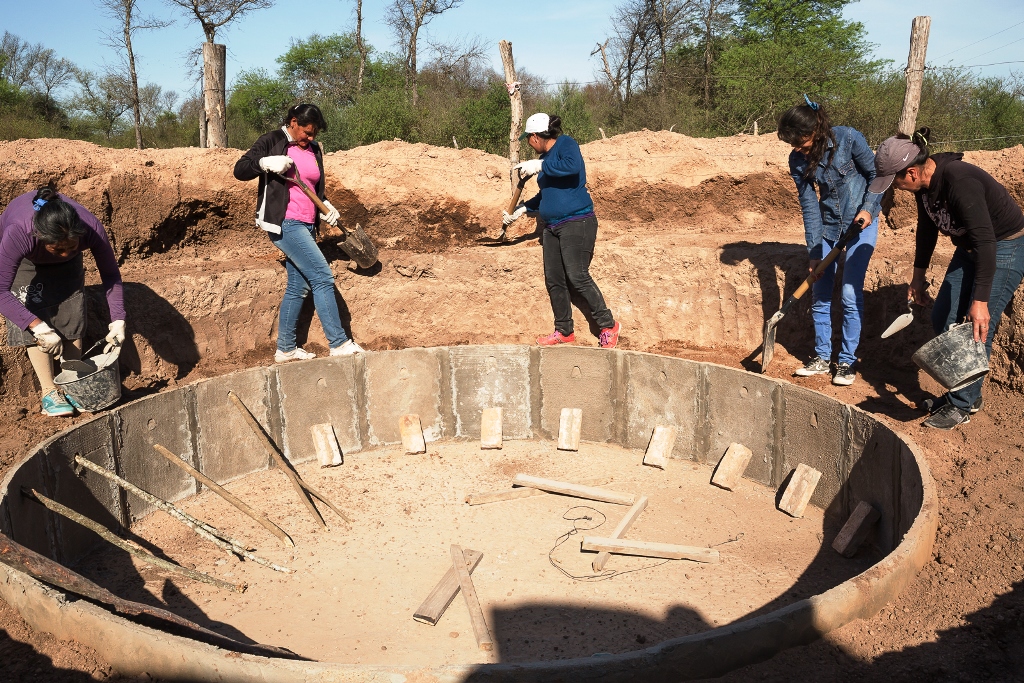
{"x":881,"y":183}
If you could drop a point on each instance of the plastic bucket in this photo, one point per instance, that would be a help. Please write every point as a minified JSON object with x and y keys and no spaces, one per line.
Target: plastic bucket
{"x":953,"y":358}
{"x":96,"y":390}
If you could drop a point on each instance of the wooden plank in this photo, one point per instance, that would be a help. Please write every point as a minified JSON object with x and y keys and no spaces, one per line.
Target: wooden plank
{"x":620,"y":530}
{"x":412,"y":434}
{"x":668,"y":551}
{"x":445,"y":591}
{"x":325,"y":443}
{"x":490,"y":429}
{"x":799,"y":490}
{"x":476,"y":614}
{"x":732,"y":466}
{"x":588,"y":492}
{"x":660,"y":448}
{"x":570,"y":422}
{"x":524,"y":492}
{"x":856,"y":529}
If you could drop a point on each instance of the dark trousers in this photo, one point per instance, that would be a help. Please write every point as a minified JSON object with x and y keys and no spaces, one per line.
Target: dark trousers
{"x":567,"y":254}
{"x":955,"y":296}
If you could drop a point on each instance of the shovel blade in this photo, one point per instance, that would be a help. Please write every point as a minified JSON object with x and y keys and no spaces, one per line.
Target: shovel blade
{"x":768,"y":349}
{"x":359,"y":248}
{"x":898,"y":324}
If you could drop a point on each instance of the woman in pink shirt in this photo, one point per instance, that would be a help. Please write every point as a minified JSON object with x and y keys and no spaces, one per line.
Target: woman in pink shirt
{"x":291,"y":219}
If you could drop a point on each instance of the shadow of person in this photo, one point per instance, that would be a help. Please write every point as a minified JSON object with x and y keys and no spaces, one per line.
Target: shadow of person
{"x":22,"y":662}
{"x":151,"y":317}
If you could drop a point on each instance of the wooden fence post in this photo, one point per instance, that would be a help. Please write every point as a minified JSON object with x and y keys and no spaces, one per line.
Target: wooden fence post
{"x":516,"y":96}
{"x":915,"y":74}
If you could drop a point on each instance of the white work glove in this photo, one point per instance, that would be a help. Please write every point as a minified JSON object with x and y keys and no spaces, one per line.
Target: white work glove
{"x":530,"y":167}
{"x":508,"y":219}
{"x":116,"y":333}
{"x":276,"y":164}
{"x":48,"y":340}
{"x":332,"y":215}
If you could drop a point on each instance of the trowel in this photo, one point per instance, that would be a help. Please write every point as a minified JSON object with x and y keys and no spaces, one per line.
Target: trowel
{"x":81,"y":366}
{"x":900,"y":322}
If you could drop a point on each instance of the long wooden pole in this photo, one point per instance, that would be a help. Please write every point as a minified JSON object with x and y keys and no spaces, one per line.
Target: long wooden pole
{"x":516,"y":96}
{"x":915,"y":74}
{"x":227,"y":495}
{"x":111,"y":538}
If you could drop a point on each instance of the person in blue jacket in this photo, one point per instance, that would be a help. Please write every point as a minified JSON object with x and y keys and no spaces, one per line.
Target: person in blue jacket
{"x":570,"y":228}
{"x":839,"y":163}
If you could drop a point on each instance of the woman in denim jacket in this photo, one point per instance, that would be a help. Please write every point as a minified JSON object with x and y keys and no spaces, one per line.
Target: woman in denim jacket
{"x":838,"y":161}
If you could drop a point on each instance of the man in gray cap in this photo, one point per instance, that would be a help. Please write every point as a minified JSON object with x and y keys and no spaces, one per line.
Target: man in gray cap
{"x":984,"y":222}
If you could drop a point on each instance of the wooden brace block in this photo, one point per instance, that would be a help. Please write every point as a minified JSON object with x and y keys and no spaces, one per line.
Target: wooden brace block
{"x":512,"y":494}
{"x":476,"y":614}
{"x":412,"y":434}
{"x":856,"y":529}
{"x":326,"y":445}
{"x":732,"y":466}
{"x":668,"y":551}
{"x":445,"y":591}
{"x":799,"y":491}
{"x":490,"y":428}
{"x":588,"y":492}
{"x":662,"y":442}
{"x":569,"y":425}
{"x":620,"y":531}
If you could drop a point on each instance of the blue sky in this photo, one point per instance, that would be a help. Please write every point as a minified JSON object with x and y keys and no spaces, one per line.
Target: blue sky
{"x":551,"y":39}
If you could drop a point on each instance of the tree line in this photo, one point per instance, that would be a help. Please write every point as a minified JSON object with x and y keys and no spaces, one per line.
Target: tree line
{"x":699,"y":67}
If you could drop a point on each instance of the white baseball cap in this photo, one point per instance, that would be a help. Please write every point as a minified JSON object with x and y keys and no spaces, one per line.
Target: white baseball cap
{"x":538,"y":123}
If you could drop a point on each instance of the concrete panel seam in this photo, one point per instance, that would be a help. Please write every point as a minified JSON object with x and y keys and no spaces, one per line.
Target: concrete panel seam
{"x":897,"y":494}
{"x":124,"y":515}
{"x":620,"y":383}
{"x":192,"y":415}
{"x":701,"y":448}
{"x":779,"y":466}
{"x":845,"y":462}
{"x":359,"y":390}
{"x":536,"y":396}
{"x":445,"y":384}
{"x":272,"y":402}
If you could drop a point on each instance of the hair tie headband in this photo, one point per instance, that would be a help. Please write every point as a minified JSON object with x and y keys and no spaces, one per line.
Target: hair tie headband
{"x":38,"y":204}
{"x":812,"y":105}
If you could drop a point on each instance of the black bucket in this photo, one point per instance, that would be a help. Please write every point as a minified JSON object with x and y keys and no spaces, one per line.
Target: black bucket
{"x":953,"y":358}
{"x":94,"y":390}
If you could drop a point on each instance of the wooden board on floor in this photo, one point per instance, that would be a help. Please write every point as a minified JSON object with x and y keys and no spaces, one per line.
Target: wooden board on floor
{"x":523,"y":492}
{"x":570,"y":423}
{"x":799,"y":490}
{"x":856,"y":529}
{"x":732,"y":466}
{"x":490,"y":429}
{"x":660,"y":448}
{"x":325,"y":443}
{"x":668,"y":551}
{"x":445,"y":591}
{"x":620,"y":531}
{"x":476,"y":614}
{"x":565,"y":488}
{"x":412,"y":434}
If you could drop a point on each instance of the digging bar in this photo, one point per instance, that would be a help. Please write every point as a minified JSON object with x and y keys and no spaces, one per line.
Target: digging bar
{"x":768,"y":349}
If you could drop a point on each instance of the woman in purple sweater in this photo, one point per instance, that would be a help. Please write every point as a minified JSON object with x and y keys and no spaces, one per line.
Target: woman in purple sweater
{"x":42,"y":283}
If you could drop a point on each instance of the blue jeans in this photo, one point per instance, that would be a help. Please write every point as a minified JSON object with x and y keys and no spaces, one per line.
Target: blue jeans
{"x":956,"y":293}
{"x":858,"y":253}
{"x":307,"y":271}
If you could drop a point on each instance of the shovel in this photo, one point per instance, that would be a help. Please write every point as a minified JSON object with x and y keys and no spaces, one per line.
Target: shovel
{"x":355,"y":242}
{"x":768,"y":350}
{"x":512,"y":204}
{"x":900,"y":322}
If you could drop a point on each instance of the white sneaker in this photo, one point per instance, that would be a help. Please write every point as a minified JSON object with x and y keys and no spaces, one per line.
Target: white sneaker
{"x":347,"y":349}
{"x":298,"y":353}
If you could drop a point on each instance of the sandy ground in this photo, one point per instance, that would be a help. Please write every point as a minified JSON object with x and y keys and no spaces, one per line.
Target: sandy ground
{"x":700,"y":241}
{"x":354,"y":589}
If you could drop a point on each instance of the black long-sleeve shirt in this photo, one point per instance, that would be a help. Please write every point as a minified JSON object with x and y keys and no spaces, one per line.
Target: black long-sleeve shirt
{"x":970,"y":206}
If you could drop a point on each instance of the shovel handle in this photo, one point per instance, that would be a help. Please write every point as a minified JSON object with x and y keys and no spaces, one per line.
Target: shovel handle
{"x":297,"y":181}
{"x":825,"y":263}
{"x":517,"y":193}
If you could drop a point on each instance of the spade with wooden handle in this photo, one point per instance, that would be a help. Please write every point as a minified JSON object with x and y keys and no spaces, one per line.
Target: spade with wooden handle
{"x":355,"y":242}
{"x":512,"y":204}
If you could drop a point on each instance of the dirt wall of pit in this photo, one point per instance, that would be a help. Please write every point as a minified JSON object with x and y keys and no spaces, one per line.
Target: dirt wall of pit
{"x":623,"y":396}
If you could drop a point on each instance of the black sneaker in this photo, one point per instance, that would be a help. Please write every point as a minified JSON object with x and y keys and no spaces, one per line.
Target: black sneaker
{"x":815,"y":366}
{"x":844,"y":376}
{"x":930,"y":405}
{"x":947,"y":417}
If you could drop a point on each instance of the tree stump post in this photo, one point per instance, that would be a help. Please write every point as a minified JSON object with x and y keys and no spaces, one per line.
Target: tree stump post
{"x":915,"y":74}
{"x":214,"y":76}
{"x":516,"y":97}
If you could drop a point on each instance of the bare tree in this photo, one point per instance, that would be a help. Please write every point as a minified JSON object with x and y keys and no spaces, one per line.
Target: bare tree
{"x":636,"y":57}
{"x":50,"y":74}
{"x":20,"y":60}
{"x":105,"y":99}
{"x":360,"y":46}
{"x":124,"y":11}
{"x":406,"y":18}
{"x":211,"y":16}
{"x":715,"y":18}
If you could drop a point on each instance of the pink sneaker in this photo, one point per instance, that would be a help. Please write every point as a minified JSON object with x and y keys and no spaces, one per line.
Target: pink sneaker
{"x":556,"y":337}
{"x":609,"y":337}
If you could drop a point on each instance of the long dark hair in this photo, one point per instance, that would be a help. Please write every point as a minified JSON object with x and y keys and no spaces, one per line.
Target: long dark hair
{"x":804,"y":120}
{"x":55,"y":220}
{"x":554,"y":128}
{"x":305,"y":114}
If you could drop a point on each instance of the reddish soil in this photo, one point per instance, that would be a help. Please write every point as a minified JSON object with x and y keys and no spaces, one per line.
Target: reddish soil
{"x":699,"y":241}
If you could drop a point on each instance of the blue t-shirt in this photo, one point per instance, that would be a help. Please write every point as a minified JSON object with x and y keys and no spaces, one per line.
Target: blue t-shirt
{"x":562,"y":182}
